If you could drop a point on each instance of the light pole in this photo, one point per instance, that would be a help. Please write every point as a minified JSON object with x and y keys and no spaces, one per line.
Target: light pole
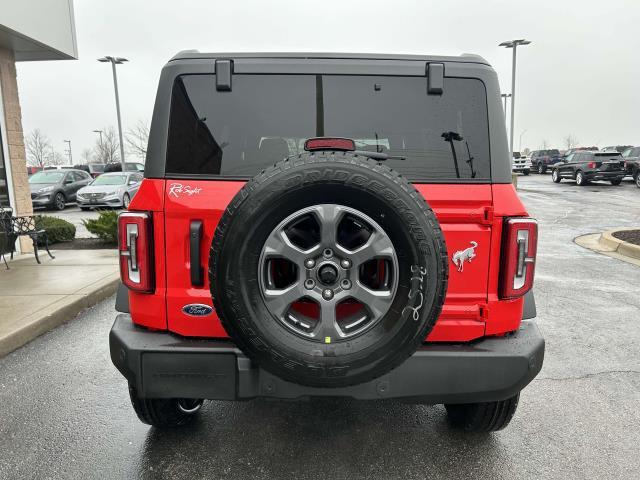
{"x":513,"y":44}
{"x":505,"y":96}
{"x":116,"y":61}
{"x":100,"y":147}
{"x":520,"y":144}
{"x":68,"y":142}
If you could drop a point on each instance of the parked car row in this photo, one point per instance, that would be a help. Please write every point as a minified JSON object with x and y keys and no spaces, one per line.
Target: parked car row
{"x":93,"y":169}
{"x":583,"y":164}
{"x":54,"y":188}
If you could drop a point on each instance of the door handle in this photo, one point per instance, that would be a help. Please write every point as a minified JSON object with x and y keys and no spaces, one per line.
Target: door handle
{"x":195,"y":238}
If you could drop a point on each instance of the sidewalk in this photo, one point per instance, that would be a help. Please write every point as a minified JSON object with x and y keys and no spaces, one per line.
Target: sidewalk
{"x":36,"y":298}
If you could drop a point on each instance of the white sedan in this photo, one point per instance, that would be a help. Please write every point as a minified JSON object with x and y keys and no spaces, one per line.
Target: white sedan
{"x":109,"y":190}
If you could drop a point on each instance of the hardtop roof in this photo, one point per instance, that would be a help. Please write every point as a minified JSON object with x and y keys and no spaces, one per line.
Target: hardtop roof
{"x":463,"y":58}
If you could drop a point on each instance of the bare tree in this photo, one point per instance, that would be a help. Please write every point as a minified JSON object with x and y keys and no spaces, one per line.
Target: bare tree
{"x":87,"y":155}
{"x":570,"y":141}
{"x":56,"y":158}
{"x":108,"y":148}
{"x":137,"y":139}
{"x":38,"y":148}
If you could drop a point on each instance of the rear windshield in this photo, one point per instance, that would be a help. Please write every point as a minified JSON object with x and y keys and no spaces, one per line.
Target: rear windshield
{"x":266,"y":118}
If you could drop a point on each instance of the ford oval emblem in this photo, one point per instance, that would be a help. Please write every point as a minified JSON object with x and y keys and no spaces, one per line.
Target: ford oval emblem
{"x":197,"y":310}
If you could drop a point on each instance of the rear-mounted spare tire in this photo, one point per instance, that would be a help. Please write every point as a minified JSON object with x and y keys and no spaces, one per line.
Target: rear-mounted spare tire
{"x":328,"y":269}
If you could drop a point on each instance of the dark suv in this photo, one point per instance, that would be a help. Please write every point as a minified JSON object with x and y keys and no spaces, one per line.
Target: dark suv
{"x":631,"y":157}
{"x":584,"y":167}
{"x":541,"y":160}
{"x":321,"y":225}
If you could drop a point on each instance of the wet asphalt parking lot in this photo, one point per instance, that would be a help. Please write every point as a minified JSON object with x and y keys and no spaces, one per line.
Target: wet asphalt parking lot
{"x":65,"y":413}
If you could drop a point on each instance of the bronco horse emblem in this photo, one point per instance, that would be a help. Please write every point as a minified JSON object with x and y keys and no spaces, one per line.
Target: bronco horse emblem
{"x":467,"y":254}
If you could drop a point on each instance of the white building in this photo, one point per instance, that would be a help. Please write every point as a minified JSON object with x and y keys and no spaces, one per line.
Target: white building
{"x":30,"y":30}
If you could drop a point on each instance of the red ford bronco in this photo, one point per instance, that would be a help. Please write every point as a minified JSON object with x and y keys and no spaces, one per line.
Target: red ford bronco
{"x":327,"y":225}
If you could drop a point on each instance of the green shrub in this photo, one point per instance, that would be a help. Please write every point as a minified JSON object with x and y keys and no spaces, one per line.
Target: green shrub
{"x":58,"y":230}
{"x":105,"y":227}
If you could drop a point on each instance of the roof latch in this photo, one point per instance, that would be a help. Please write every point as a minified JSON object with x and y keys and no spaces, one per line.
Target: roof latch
{"x":435,"y":78}
{"x":224,"y":72}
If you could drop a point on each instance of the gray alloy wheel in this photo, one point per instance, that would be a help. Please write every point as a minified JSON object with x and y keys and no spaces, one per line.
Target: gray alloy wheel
{"x":638,"y":181}
{"x":541,"y":168}
{"x":328,"y":273}
{"x":59,"y":202}
{"x":126,"y":201}
{"x":555,"y":176}
{"x":580,"y":180}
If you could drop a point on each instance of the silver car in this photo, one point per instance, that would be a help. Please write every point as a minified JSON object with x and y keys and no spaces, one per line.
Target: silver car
{"x":109,"y":190}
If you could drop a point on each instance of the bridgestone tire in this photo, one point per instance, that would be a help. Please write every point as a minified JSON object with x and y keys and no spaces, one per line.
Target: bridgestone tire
{"x":328,"y":178}
{"x":482,"y":417}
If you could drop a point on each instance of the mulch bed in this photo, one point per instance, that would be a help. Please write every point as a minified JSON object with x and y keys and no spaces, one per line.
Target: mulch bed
{"x":84,"y":244}
{"x":631,"y":236}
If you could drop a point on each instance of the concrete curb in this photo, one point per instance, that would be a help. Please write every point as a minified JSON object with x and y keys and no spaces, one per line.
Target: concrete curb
{"x":58,"y":313}
{"x":623,"y":248}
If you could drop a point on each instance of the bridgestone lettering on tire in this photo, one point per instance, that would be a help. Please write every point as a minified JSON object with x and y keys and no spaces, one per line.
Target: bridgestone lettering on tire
{"x":328,"y":269}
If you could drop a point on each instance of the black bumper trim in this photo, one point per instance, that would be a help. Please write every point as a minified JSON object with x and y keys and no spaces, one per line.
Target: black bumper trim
{"x":162,"y":365}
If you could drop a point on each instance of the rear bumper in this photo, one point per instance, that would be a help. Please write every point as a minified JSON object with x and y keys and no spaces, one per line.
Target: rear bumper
{"x":520,"y":168}
{"x":605,"y":175}
{"x":162,"y":365}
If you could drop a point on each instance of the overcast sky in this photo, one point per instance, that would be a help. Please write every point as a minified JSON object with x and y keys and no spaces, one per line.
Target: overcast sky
{"x":580,"y":75}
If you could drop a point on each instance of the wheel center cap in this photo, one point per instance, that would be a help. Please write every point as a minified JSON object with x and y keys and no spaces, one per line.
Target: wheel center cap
{"x":328,"y":274}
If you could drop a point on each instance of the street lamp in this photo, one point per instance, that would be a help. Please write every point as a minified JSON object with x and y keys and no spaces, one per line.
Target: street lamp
{"x":68,"y":142}
{"x":116,"y":61}
{"x":505,"y":96}
{"x":513,"y":44}
{"x":520,"y":144}
{"x":100,"y":132}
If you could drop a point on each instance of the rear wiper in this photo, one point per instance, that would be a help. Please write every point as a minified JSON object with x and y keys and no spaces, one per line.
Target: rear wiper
{"x":450,"y":137}
{"x":470,"y":161}
{"x":378,"y":155}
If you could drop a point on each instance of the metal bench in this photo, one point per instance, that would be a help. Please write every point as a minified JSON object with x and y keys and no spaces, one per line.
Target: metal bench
{"x":12,"y":228}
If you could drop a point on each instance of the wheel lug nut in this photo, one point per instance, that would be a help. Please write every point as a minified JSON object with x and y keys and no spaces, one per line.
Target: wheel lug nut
{"x":346,"y":284}
{"x":309,"y":284}
{"x":344,"y":263}
{"x":328,"y":253}
{"x":327,"y":294}
{"x":309,"y":263}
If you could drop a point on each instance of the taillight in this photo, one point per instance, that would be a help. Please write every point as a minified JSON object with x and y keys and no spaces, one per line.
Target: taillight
{"x":324,"y":143}
{"x":135,"y":247}
{"x":519,"y":248}
{"x":591,"y":164}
